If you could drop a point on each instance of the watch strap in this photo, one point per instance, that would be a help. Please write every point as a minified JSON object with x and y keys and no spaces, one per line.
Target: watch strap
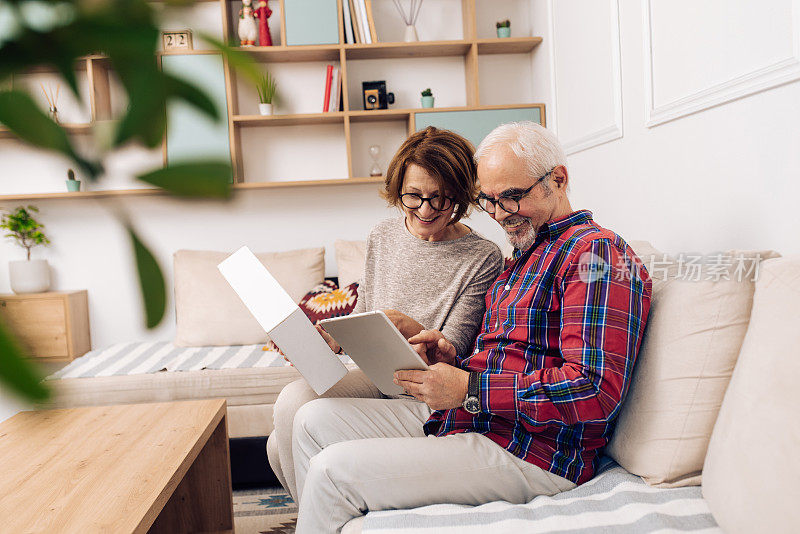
{"x":473,"y":388}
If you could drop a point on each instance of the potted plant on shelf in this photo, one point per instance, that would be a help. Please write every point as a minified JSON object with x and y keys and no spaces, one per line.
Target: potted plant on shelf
{"x":26,"y":276}
{"x":427,"y":98}
{"x":504,"y":28}
{"x":266,"y":87}
{"x":72,"y":184}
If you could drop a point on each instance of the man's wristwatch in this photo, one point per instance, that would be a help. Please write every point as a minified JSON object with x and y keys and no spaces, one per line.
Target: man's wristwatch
{"x":472,"y":403}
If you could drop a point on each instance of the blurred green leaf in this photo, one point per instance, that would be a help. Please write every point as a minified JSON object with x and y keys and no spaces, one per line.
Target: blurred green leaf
{"x":179,"y":88}
{"x":17,"y":372}
{"x":193,"y":179}
{"x":241,"y":61}
{"x":151,"y":281}
{"x":20,"y":114}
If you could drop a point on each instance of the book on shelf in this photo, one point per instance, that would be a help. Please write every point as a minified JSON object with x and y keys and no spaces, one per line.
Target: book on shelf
{"x":349,"y":36}
{"x":363,"y":22}
{"x":336,"y":89}
{"x":327,"y":99}
{"x":371,"y":21}
{"x":359,"y":37}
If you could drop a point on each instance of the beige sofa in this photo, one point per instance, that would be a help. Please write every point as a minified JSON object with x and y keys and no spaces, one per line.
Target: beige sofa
{"x":710,"y":425}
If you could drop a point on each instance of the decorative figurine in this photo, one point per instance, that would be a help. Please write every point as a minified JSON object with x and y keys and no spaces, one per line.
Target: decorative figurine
{"x":262,"y":13}
{"x":247,"y":24}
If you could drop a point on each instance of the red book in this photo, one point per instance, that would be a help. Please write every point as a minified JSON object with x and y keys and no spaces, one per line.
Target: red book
{"x":327,"y":88}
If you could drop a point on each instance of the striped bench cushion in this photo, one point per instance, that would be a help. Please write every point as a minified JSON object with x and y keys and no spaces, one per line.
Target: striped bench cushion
{"x":153,"y":357}
{"x":614,"y":501}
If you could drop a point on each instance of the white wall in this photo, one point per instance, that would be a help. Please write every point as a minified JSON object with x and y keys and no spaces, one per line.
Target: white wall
{"x":712,"y":159}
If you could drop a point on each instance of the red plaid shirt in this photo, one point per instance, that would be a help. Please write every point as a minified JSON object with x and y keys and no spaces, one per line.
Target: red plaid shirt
{"x":562,"y":328}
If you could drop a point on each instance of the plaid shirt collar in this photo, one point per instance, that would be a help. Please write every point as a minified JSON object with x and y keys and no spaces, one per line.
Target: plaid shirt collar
{"x":552,"y":229}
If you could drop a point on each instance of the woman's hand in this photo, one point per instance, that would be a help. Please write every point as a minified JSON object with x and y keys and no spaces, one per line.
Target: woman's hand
{"x":407,"y":326}
{"x":441,"y":387}
{"x":328,"y":339}
{"x":433,"y":348}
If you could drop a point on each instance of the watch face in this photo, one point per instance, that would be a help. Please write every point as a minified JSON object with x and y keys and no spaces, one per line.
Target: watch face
{"x":472,"y":405}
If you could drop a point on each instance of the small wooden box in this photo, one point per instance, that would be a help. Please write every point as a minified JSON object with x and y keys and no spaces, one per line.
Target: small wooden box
{"x":53,"y":326}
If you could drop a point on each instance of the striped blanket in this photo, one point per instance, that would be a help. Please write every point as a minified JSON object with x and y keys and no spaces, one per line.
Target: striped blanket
{"x":614,"y":501}
{"x":153,"y":357}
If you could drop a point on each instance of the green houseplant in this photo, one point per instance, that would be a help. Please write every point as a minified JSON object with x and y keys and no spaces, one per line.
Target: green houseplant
{"x":266,"y":87}
{"x":503,"y":28}
{"x":26,"y":276}
{"x":54,"y":36}
{"x":427,"y":98}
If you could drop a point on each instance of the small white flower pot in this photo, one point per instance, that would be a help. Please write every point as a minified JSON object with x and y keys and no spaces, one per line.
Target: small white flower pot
{"x":29,"y":276}
{"x":265,"y":109}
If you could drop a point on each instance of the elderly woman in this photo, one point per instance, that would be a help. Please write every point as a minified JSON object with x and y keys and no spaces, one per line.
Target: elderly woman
{"x":426,"y":270}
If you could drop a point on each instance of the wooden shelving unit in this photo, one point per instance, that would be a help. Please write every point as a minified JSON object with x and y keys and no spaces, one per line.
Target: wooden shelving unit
{"x":99,"y":70}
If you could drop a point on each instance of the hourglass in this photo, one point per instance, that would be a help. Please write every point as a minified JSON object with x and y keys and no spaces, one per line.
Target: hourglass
{"x":374,"y":153}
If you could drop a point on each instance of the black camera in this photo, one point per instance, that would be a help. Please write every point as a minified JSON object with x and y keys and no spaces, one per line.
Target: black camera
{"x":375,"y":95}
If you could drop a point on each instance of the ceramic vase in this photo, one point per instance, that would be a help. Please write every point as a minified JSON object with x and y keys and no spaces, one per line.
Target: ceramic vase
{"x":265,"y":109}
{"x":505,"y":31}
{"x":427,"y":101}
{"x":410,"y":35}
{"x":29,"y":276}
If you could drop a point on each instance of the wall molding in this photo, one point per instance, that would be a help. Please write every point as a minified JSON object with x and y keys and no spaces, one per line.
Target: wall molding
{"x":779,"y":73}
{"x":614,"y":130}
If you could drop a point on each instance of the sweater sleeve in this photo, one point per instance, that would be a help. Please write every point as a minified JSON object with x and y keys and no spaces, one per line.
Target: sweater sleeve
{"x":464,"y":319}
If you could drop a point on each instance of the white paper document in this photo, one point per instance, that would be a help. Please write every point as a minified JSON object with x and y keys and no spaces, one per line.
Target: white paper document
{"x":283,"y":320}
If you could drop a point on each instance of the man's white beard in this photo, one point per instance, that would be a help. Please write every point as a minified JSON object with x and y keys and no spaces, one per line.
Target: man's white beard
{"x":524,"y":236}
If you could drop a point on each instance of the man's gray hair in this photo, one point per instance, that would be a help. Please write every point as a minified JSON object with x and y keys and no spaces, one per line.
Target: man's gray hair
{"x":537,"y":146}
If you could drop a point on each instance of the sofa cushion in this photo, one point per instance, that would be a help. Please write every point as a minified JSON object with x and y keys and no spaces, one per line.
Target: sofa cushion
{"x":350,"y":256}
{"x":698,"y":318}
{"x":752,"y":468}
{"x":209,"y":312}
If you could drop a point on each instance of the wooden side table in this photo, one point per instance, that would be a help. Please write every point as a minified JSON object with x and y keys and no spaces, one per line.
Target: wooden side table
{"x":54,"y":326}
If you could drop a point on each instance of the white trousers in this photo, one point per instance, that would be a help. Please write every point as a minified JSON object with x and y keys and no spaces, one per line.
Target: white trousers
{"x":291,"y":398}
{"x":356,"y":455}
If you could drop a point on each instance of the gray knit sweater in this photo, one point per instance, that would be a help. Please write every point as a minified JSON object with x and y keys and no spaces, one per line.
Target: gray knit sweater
{"x":440,"y":284}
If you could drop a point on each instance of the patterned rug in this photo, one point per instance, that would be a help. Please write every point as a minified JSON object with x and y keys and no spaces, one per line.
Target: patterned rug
{"x":264,"y":511}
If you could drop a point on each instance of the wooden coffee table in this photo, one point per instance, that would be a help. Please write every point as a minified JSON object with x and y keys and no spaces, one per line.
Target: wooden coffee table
{"x":127,"y":468}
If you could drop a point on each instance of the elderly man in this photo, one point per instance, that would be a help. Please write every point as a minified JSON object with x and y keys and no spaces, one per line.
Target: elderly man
{"x":527,"y":411}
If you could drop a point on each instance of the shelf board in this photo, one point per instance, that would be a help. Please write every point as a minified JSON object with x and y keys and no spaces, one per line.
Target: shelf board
{"x":308,"y":183}
{"x":331,"y":117}
{"x":379,"y":115}
{"x":508,"y":45}
{"x":149,"y":191}
{"x":203,"y":52}
{"x":407,"y":50}
{"x":81,"y":128}
{"x":285,"y":54}
{"x":360,"y":115}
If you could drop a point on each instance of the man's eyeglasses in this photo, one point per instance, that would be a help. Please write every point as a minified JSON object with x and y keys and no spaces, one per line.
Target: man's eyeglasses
{"x":508,"y":201}
{"x":413,"y":201}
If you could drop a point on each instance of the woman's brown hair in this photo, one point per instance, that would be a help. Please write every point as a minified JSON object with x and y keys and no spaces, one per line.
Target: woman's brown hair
{"x":446,"y":156}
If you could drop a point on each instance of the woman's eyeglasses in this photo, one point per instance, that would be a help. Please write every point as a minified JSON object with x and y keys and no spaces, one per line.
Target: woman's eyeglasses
{"x":413,"y":201}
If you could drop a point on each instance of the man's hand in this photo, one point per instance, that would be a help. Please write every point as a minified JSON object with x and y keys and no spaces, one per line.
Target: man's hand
{"x":407,"y":326}
{"x":432,"y":347}
{"x":328,"y":339}
{"x":441,"y":387}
